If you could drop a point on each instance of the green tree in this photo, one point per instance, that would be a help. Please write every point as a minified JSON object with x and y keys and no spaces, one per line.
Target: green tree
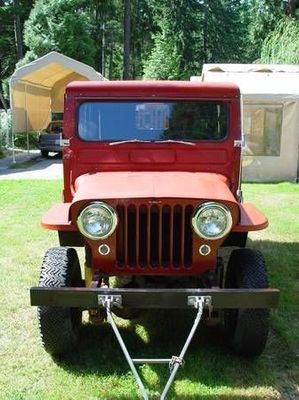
{"x":169,"y":39}
{"x":7,"y":42}
{"x":106,"y":31}
{"x":292,"y":8}
{"x":190,"y":34}
{"x":282,"y":45}
{"x":127,"y":38}
{"x":12,"y":17}
{"x":261,"y":17}
{"x":223,"y":32}
{"x":172,"y":55}
{"x":61,"y":25}
{"x":107,"y":20}
{"x":164,"y":61}
{"x":143,"y":27}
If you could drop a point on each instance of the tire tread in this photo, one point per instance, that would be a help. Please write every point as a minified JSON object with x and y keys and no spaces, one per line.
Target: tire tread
{"x":249,"y":333}
{"x":59,"y":326}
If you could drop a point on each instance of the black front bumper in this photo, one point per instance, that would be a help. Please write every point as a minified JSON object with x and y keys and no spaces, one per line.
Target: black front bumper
{"x":154,"y":298}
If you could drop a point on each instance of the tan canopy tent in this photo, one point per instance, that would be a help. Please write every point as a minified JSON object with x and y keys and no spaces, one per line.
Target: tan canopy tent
{"x":37,"y":89}
{"x":270,"y":96}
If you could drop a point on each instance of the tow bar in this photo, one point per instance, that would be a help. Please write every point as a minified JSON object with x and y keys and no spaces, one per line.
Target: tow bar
{"x":175,"y":362}
{"x":86,"y":298}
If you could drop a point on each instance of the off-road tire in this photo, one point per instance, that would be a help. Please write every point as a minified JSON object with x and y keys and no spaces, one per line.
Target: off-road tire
{"x":246,"y":329}
{"x":44,"y":153}
{"x":59,"y":326}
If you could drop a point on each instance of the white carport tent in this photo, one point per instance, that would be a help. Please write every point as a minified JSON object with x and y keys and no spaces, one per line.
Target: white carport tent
{"x":266,"y":86}
{"x":37,"y":89}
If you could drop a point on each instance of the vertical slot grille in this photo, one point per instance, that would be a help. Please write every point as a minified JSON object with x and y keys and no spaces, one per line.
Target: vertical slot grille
{"x":154,"y":236}
{"x":132,"y":236}
{"x":142,"y":243}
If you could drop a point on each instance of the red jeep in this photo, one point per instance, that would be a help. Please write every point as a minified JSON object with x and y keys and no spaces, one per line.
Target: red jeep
{"x":152,"y":192}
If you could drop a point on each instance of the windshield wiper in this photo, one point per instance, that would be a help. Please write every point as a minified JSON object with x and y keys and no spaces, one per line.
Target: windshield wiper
{"x":150,"y":141}
{"x":129,"y":141}
{"x":175,"y":141}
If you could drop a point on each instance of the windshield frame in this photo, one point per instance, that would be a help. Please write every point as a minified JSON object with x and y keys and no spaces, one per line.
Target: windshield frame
{"x":226,"y":102}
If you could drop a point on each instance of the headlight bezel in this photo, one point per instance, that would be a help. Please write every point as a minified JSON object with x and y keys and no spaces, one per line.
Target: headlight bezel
{"x":97,"y":204}
{"x":207,"y":205}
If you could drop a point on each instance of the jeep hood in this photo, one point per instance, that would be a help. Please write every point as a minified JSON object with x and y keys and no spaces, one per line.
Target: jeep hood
{"x":125,"y":185}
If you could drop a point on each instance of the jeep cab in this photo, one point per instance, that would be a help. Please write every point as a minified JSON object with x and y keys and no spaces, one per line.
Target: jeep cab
{"x":152,"y":192}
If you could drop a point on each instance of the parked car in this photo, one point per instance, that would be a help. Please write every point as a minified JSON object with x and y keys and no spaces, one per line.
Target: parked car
{"x":50,"y":138}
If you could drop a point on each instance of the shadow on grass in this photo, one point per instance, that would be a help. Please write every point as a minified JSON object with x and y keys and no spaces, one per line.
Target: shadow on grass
{"x":209,"y":363}
{"x":208,"y":360}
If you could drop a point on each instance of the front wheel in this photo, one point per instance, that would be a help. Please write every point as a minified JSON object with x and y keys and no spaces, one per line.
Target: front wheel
{"x":59,"y":326}
{"x":246,"y":329}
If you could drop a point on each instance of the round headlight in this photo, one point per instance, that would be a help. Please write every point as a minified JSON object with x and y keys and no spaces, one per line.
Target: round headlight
{"x":97,"y":221}
{"x":212,"y":221}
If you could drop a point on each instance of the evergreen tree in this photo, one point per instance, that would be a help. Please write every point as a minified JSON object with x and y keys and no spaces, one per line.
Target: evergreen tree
{"x":261,"y":17}
{"x":172,"y":56}
{"x":106,"y":31}
{"x":61,"y":25}
{"x":12,"y":17}
{"x":169,"y":39}
{"x":224,"y":34}
{"x":190,"y":35}
{"x":143,"y":27}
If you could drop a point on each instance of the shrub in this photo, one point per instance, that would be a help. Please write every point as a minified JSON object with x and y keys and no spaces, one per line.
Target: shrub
{"x":5,"y":129}
{"x":20,"y":140}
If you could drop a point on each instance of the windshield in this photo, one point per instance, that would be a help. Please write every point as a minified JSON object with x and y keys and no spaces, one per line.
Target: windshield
{"x":54,"y":127}
{"x":178,"y":120}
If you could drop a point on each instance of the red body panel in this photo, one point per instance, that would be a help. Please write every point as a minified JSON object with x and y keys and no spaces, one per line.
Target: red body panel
{"x":58,"y":217}
{"x":81,"y":157}
{"x":152,"y":185}
{"x":251,"y":219}
{"x":153,"y":89}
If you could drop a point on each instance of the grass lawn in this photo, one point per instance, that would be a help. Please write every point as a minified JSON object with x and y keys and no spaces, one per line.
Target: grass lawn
{"x":98,"y":370}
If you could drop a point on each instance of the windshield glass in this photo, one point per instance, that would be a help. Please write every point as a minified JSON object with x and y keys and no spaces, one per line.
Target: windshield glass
{"x":54,"y":127}
{"x":179,"y":120}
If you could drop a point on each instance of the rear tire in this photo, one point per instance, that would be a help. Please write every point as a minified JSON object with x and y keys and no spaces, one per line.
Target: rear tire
{"x":44,"y":153}
{"x":59,"y":326}
{"x":246,"y":329}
